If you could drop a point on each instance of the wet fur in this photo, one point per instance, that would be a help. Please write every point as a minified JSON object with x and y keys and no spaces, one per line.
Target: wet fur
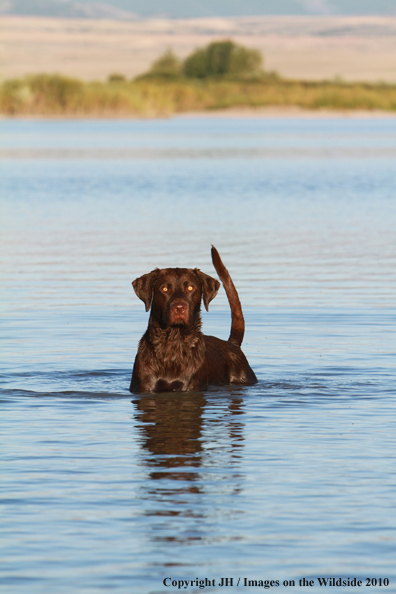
{"x":173,"y":354}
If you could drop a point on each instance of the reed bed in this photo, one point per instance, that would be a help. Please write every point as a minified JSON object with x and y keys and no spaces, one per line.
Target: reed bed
{"x":56,"y":95}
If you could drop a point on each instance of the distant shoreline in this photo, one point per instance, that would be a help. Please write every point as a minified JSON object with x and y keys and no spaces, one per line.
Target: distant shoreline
{"x":44,"y":95}
{"x":237,"y":113}
{"x":288,"y":112}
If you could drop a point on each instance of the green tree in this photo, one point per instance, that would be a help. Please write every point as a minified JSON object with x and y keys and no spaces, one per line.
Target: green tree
{"x":167,"y":65}
{"x":224,"y":59}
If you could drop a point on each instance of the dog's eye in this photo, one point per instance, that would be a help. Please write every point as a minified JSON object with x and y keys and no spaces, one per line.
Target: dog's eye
{"x":190,"y":288}
{"x":164,"y":289}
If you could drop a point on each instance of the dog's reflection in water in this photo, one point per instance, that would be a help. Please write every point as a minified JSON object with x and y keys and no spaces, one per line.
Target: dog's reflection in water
{"x":176,"y":431}
{"x":171,"y":427}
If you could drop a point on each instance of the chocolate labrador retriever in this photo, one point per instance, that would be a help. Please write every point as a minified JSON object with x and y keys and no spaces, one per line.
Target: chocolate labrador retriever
{"x":173,"y":354}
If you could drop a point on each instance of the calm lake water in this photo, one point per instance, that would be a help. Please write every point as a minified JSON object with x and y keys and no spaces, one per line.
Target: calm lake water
{"x":293,"y":478}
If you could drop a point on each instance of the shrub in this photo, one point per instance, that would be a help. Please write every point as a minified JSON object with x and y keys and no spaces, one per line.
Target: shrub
{"x":56,"y":90}
{"x":15,"y":96}
{"x":115,"y":77}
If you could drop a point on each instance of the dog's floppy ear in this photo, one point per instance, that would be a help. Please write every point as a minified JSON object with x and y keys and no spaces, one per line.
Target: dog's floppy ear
{"x":143,"y":287}
{"x":210,"y":286}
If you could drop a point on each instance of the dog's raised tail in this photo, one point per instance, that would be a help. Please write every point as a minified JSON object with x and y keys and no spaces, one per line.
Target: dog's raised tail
{"x":238,"y":322}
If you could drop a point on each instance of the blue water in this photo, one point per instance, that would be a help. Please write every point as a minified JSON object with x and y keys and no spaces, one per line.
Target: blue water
{"x":295,"y":477}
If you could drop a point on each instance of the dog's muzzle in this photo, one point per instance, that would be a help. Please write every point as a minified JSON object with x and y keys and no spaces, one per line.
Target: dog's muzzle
{"x":179,"y":312}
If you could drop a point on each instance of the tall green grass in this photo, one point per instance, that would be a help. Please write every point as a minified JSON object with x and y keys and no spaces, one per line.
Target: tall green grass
{"x":56,"y":95}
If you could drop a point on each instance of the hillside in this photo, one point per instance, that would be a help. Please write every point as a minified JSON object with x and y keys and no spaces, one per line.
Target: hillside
{"x":309,"y":48}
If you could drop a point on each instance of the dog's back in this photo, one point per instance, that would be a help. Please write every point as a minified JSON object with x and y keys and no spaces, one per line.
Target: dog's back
{"x":226,"y":363}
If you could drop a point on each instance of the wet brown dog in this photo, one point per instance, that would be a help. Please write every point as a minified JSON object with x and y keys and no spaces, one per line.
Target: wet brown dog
{"x":173,"y":354}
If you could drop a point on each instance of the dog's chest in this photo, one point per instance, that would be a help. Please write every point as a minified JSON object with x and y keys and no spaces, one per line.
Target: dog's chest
{"x":177,"y":355}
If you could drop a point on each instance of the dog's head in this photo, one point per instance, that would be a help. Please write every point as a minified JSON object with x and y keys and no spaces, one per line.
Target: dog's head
{"x":174,"y":294}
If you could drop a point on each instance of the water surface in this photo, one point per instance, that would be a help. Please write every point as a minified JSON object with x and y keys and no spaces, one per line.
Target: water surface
{"x":294,"y":477}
